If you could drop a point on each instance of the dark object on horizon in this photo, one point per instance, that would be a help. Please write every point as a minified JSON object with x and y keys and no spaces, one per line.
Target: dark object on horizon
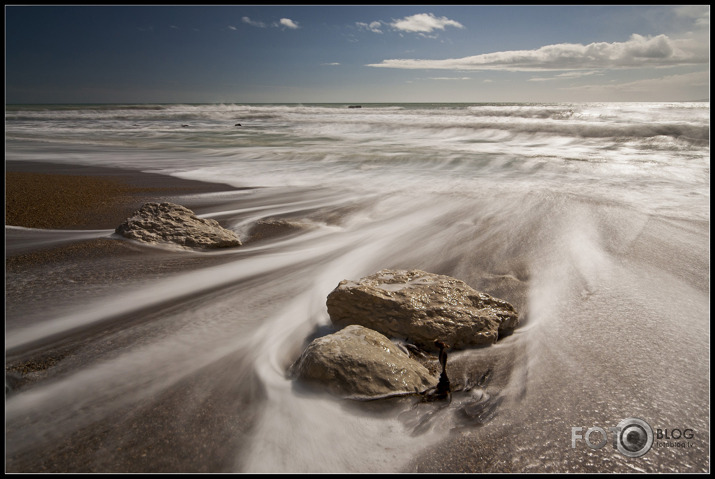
{"x":355,"y":106}
{"x":237,"y":124}
{"x":184,"y":126}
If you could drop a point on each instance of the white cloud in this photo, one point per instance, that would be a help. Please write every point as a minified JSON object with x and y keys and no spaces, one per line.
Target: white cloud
{"x":424,"y":23}
{"x":231,"y":27}
{"x":288,"y":23}
{"x":637,"y":52}
{"x":253,"y":22}
{"x":375,"y":26}
{"x":283,"y":22}
{"x":450,"y":78}
{"x":567,"y":75}
{"x":578,"y":74}
{"x":331,"y":64}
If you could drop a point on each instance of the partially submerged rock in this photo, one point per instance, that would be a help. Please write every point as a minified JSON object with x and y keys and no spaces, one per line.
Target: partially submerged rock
{"x":422,"y":307}
{"x":169,"y":223}
{"x":358,"y":362}
{"x":270,"y":228}
{"x":432,"y":312}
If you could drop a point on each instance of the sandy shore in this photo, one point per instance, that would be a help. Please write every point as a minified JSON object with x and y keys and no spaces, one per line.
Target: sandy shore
{"x":76,"y":197}
{"x":73,"y":197}
{"x":57,"y":196}
{"x":206,"y":420}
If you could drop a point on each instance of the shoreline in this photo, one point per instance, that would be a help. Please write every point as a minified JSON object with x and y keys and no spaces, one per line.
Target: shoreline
{"x":67,"y":196}
{"x":84,"y":203}
{"x":71,"y":197}
{"x":205,"y":422}
{"x":76,"y":197}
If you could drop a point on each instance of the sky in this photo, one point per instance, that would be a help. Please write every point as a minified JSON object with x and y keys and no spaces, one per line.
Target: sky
{"x":356,"y":53}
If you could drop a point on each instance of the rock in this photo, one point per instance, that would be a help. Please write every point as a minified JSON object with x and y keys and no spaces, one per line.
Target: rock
{"x":158,"y":223}
{"x":360,"y":363}
{"x":269,"y":228}
{"x":422,"y":307}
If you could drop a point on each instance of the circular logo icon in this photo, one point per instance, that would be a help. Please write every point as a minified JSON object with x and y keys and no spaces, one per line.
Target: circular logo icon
{"x":635,"y":437}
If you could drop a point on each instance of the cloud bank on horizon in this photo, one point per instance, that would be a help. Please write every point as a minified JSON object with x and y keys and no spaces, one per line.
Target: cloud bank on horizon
{"x":573,"y":59}
{"x":637,"y":52}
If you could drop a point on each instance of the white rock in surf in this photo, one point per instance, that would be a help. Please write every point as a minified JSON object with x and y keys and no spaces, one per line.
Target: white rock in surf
{"x":422,"y":307}
{"x":169,"y":223}
{"x":360,"y":363}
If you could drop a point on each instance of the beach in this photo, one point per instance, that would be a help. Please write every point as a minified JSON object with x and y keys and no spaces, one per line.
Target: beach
{"x":65,"y":196}
{"x":126,"y":357}
{"x":144,"y":436}
{"x":75,"y":197}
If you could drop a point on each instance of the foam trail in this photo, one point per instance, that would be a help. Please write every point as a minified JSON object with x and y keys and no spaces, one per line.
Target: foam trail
{"x":111,"y":385}
{"x":169,"y":289}
{"x":592,"y":219}
{"x":19,"y":239}
{"x":182,"y":285}
{"x":322,"y":434}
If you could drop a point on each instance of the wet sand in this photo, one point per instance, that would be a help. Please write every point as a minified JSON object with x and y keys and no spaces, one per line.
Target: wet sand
{"x":70,"y":197}
{"x":59,"y":196}
{"x":207,"y":420}
{"x":74,"y":197}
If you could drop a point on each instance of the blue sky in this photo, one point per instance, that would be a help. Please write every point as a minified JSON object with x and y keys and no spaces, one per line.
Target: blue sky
{"x":356,"y":54}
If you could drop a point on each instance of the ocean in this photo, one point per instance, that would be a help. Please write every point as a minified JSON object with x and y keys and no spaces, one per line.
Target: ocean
{"x":593,"y":219}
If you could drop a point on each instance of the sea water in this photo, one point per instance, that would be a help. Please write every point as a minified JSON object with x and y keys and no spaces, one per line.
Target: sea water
{"x":591,"y":218}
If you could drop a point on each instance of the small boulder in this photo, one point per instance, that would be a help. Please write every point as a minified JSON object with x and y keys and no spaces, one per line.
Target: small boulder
{"x":422,"y":307}
{"x":169,"y":223}
{"x":269,"y":228}
{"x":360,"y":363}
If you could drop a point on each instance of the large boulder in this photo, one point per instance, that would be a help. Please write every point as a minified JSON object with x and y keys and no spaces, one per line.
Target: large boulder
{"x":360,"y":363}
{"x":422,"y":307}
{"x":157,"y":223}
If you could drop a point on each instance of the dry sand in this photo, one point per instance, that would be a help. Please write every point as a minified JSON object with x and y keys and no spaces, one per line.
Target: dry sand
{"x":58,"y":196}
